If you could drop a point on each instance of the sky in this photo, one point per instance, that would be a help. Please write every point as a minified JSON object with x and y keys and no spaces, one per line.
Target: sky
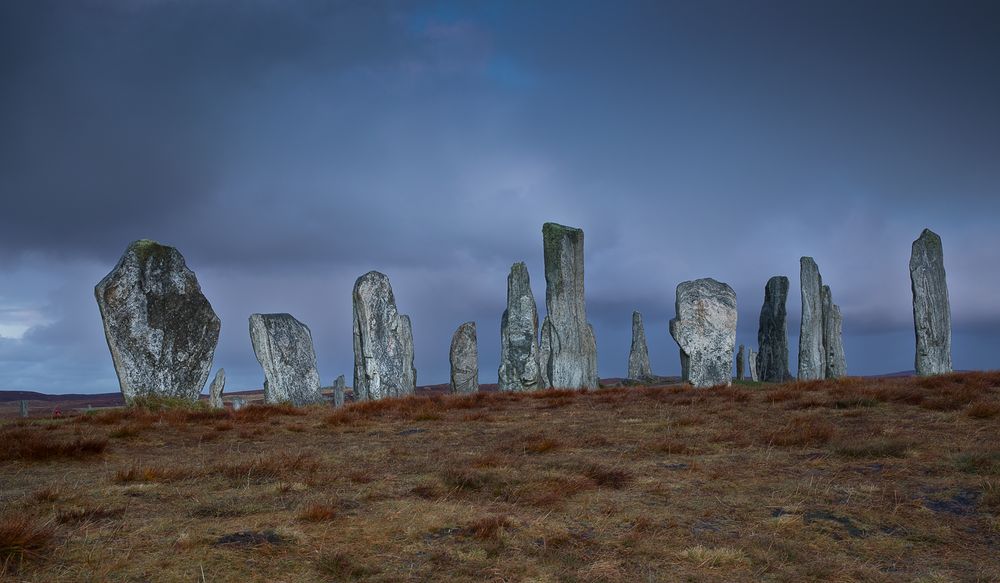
{"x":288,"y":147}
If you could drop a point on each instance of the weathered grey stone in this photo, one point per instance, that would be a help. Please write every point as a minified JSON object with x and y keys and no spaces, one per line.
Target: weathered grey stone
{"x":812,"y":362}
{"x":22,"y":408}
{"x":238,"y":403}
{"x":931,"y":307}
{"x":705,"y":330}
{"x":160,"y":328}
{"x":741,"y":356}
{"x":383,"y":342}
{"x":833,"y":340}
{"x":771,"y":363}
{"x":519,"y":355}
{"x":568,"y":346}
{"x":339,"y":386}
{"x":464,"y":358}
{"x":216,"y":388}
{"x":752,"y":365}
{"x":284,"y":349}
{"x":638,"y":355}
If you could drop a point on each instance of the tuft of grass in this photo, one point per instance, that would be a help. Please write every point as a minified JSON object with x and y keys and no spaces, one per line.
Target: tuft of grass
{"x":873,"y":448}
{"x":614,"y":478}
{"x":983,"y":410}
{"x":87,"y":515}
{"x":986,"y":463}
{"x":34,"y":445}
{"x":22,"y":538}
{"x":490,"y":527}
{"x":344,"y":566}
{"x":712,"y":557}
{"x":269,"y":468}
{"x":152,"y":474}
{"x":318,"y":512}
{"x":803,"y":430}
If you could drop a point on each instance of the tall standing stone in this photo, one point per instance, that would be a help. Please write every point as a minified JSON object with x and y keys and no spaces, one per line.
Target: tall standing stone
{"x":216,"y":388}
{"x":638,"y":356}
{"x":833,"y":337}
{"x":22,"y":408}
{"x":931,"y":307}
{"x":464,"y":359}
{"x":705,"y":331}
{"x":160,"y":328}
{"x":812,"y":364}
{"x":383,"y":342}
{"x":339,"y":386}
{"x":741,"y":363}
{"x":752,"y":365}
{"x":568,"y":346}
{"x":771,"y":362}
{"x":284,"y":348}
{"x":519,"y":368}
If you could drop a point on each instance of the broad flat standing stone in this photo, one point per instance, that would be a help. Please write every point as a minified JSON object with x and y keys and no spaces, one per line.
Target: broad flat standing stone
{"x":339,"y":386}
{"x":638,"y":356}
{"x":833,"y":339}
{"x":771,"y":362}
{"x":705,"y":330}
{"x":284,"y":348}
{"x":160,"y":328}
{"x":519,"y":368}
{"x":216,"y":388}
{"x":383,"y":342}
{"x":752,"y":365}
{"x":740,"y":363}
{"x":464,"y":358}
{"x":812,"y":364}
{"x":568,"y":347}
{"x":931,"y":307}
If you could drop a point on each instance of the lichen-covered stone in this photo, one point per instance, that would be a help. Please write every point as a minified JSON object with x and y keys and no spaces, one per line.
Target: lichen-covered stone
{"x":284,"y":348}
{"x":339,"y":387}
{"x":931,"y":306}
{"x":705,"y":331}
{"x":216,"y":388}
{"x":160,"y":328}
{"x":771,"y":363}
{"x":383,"y":342}
{"x":568,"y":346}
{"x":812,"y":362}
{"x":741,"y":363}
{"x":833,"y":340}
{"x":638,"y":355}
{"x":464,"y":359}
{"x":519,"y":354}
{"x":238,"y":403}
{"x":752,"y":365}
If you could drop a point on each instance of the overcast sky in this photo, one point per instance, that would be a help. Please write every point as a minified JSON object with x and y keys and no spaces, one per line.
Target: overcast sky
{"x":287,"y":147}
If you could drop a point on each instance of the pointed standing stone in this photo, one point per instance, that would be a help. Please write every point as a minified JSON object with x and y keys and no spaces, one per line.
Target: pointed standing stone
{"x":160,"y":328}
{"x":284,"y":348}
{"x":833,"y":340}
{"x":931,"y":307}
{"x":812,"y":364}
{"x":339,"y":386}
{"x":740,"y":364}
{"x":519,"y":369}
{"x":772,"y":336}
{"x":383,"y":342}
{"x":752,"y":365}
{"x":638,"y":356}
{"x":705,"y":330}
{"x":568,"y":347}
{"x":464,"y":358}
{"x":216,"y":388}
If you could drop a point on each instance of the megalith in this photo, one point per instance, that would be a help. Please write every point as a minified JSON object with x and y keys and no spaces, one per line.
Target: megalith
{"x":752,"y":365}
{"x":812,"y":364}
{"x":464,"y":359}
{"x":519,"y":354}
{"x":705,"y":331}
{"x":771,"y":362}
{"x":284,"y":349}
{"x":741,"y":363}
{"x":216,"y":388}
{"x":931,"y":307}
{"x":833,"y":337}
{"x":638,"y":356}
{"x":339,"y":387}
{"x":383,"y":342}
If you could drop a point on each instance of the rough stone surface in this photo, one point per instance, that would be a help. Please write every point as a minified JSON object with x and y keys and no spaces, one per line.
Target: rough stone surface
{"x":752,"y":365}
{"x":284,"y":348}
{"x":339,"y":386}
{"x":160,"y":328}
{"x":638,"y":356}
{"x":705,"y":330}
{"x":238,"y":403}
{"x":833,"y":339}
{"x":741,"y":356}
{"x":464,"y":359}
{"x":812,"y":364}
{"x":771,"y":363}
{"x":216,"y":388}
{"x":383,"y":342}
{"x":22,"y":408}
{"x":568,"y":346}
{"x":519,"y":354}
{"x":931,"y":307}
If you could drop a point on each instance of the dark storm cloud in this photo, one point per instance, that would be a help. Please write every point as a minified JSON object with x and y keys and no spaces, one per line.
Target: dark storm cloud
{"x":288,"y":147}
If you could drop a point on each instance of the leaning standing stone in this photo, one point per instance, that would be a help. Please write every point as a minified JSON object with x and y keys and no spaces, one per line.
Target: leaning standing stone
{"x":216,"y":388}
{"x":284,"y":348}
{"x":383,"y":342}
{"x":833,"y":338}
{"x":568,"y":346}
{"x":812,"y":364}
{"x":339,"y":386}
{"x":705,"y":330}
{"x":638,"y":356}
{"x":464,"y":358}
{"x":771,"y":362}
{"x":519,"y":335}
{"x":931,"y":308}
{"x":160,"y":328}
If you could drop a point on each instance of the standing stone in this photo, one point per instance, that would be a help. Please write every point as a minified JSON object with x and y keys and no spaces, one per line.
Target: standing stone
{"x":833,"y":340}
{"x":705,"y":330}
{"x":568,"y":346}
{"x":752,"y":365}
{"x":23,"y":408}
{"x":931,"y":308}
{"x":216,"y":388}
{"x":160,"y":328}
{"x":638,"y":356}
{"x":383,"y":342}
{"x":464,"y":358}
{"x":812,"y":364}
{"x":741,"y":364}
{"x":771,"y":363}
{"x":519,"y":369}
{"x":284,"y":348}
{"x":238,"y":403}
{"x":339,"y":386}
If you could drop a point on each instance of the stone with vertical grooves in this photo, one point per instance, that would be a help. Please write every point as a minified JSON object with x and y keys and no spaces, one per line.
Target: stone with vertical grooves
{"x":284,"y":349}
{"x":771,"y":362}
{"x":833,"y":339}
{"x":519,"y":366}
{"x":931,"y":307}
{"x":741,"y":356}
{"x":215,"y":389}
{"x":638,"y":356}
{"x":339,"y":386}
{"x":464,"y":359}
{"x":812,"y":364}
{"x":752,"y":365}
{"x":705,"y":331}
{"x":383,"y":342}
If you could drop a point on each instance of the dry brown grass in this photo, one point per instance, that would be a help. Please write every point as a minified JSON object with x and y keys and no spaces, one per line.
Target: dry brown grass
{"x":22,"y":539}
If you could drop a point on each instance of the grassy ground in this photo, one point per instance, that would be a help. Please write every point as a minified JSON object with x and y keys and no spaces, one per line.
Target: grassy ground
{"x":889,"y":480}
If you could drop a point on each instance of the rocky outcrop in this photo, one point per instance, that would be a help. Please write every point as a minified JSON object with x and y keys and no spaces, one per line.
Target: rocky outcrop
{"x":812,"y":364}
{"x":568,"y":346}
{"x":519,"y":354}
{"x":464,"y":359}
{"x":160,"y":328}
{"x":216,"y":388}
{"x":383,"y":342}
{"x":284,"y":348}
{"x":931,"y":307}
{"x":638,"y":355}
{"x":339,"y":387}
{"x":833,"y":337}
{"x":705,"y":330}
{"x":772,"y":335}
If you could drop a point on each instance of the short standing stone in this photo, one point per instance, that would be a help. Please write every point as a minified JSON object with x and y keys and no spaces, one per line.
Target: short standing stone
{"x":771,"y":363}
{"x":160,"y":328}
{"x":383,"y":342}
{"x":638,"y":356}
{"x":284,"y":348}
{"x":705,"y":330}
{"x":238,"y":403}
{"x":216,"y":388}
{"x":464,"y":359}
{"x":519,"y":368}
{"x":339,"y":386}
{"x":812,"y":364}
{"x":752,"y":365}
{"x":833,"y":339}
{"x":741,"y":363}
{"x":931,"y":307}
{"x":568,"y":347}
{"x":23,"y":408}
